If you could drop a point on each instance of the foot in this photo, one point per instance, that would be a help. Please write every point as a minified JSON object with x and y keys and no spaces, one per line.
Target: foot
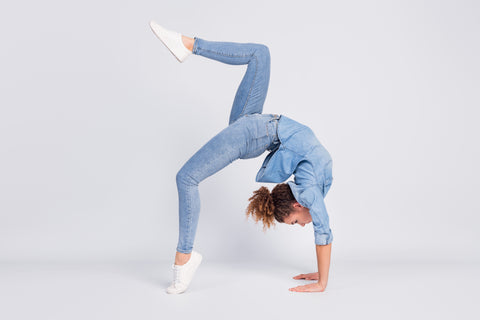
{"x":183,"y":275}
{"x":172,"y":40}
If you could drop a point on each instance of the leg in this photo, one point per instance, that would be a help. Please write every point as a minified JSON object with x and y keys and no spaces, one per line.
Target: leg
{"x":253,"y":88}
{"x":244,"y":137}
{"x":251,"y":93}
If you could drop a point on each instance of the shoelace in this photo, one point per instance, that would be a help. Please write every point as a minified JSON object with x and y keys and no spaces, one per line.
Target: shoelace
{"x":176,"y":276}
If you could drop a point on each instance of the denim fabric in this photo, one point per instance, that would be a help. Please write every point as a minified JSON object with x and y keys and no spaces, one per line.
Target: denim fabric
{"x":301,"y":154}
{"x":293,"y":147}
{"x":253,"y":88}
{"x":249,"y":133}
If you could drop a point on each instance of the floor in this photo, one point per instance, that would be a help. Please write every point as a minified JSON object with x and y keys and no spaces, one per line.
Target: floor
{"x":221,"y":290}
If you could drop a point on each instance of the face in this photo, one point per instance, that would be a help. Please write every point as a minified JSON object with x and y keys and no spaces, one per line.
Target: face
{"x":300,"y":215}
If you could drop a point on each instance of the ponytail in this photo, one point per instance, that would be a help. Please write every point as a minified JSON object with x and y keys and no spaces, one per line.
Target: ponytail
{"x":261,"y":207}
{"x":268,"y":207}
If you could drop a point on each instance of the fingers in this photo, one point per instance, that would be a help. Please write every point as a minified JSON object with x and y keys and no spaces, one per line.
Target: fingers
{"x":312,"y":287}
{"x":298,"y":289}
{"x":305,"y":277}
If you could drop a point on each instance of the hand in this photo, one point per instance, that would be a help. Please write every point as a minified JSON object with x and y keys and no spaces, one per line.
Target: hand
{"x":307,"y":276}
{"x":312,"y":287}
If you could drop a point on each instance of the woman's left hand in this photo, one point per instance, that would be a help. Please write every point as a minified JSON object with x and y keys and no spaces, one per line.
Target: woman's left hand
{"x":312,"y":287}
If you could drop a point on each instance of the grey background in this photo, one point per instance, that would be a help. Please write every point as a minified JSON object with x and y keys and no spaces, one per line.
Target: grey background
{"x":97,"y":117}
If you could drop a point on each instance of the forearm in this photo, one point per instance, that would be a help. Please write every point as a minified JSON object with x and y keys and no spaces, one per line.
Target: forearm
{"x":323,"y":262}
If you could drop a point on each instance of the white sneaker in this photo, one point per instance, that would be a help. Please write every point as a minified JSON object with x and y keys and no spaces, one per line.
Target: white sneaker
{"x":183,"y":275}
{"x":172,"y":40}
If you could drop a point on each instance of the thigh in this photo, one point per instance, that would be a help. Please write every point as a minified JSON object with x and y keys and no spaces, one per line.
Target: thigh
{"x":224,"y":148}
{"x":246,"y":138}
{"x":252,"y":91}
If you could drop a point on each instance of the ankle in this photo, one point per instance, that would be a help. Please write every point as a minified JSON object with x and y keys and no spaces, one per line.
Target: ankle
{"x":188,"y":42}
{"x":182,"y":258}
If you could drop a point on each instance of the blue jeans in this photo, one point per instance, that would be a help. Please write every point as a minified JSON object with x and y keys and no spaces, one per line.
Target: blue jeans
{"x":249,"y":133}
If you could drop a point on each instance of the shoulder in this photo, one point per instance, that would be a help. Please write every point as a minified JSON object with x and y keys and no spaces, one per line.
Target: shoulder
{"x":306,"y":195}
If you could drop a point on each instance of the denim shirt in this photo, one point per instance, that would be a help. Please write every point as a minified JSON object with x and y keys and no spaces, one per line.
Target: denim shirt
{"x":301,"y":154}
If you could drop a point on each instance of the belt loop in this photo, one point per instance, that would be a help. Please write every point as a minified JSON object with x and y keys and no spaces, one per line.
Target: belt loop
{"x":275,"y":117}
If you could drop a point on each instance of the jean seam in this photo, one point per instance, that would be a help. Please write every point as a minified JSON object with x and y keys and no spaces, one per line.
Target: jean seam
{"x":189,"y":222}
{"x":227,"y":55}
{"x":186,"y":245}
{"x":253,"y":83}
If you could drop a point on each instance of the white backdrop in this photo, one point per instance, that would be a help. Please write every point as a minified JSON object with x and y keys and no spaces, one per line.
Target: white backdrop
{"x":97,"y":117}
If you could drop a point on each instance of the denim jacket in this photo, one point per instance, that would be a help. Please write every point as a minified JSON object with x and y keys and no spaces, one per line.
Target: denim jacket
{"x":301,"y":154}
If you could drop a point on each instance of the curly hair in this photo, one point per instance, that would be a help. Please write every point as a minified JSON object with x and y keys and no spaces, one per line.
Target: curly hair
{"x":268,"y":207}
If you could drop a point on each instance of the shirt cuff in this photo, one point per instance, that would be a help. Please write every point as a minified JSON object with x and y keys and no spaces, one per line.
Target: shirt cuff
{"x":322,"y":239}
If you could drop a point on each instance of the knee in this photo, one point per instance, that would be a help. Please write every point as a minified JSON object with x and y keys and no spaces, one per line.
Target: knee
{"x":184,"y":177}
{"x":262,"y":52}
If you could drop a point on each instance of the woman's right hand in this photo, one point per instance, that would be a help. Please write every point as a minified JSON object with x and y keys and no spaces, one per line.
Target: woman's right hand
{"x":307,"y":276}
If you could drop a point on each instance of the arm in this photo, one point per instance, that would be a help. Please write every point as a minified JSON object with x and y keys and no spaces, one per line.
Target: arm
{"x":323,"y":241}
{"x":323,"y":235}
{"x":323,"y":262}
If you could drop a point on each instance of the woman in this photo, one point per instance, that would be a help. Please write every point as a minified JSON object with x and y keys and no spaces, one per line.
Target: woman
{"x":293,"y":148}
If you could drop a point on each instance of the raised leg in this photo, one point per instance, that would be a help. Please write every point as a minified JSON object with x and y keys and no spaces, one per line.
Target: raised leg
{"x":253,"y":88}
